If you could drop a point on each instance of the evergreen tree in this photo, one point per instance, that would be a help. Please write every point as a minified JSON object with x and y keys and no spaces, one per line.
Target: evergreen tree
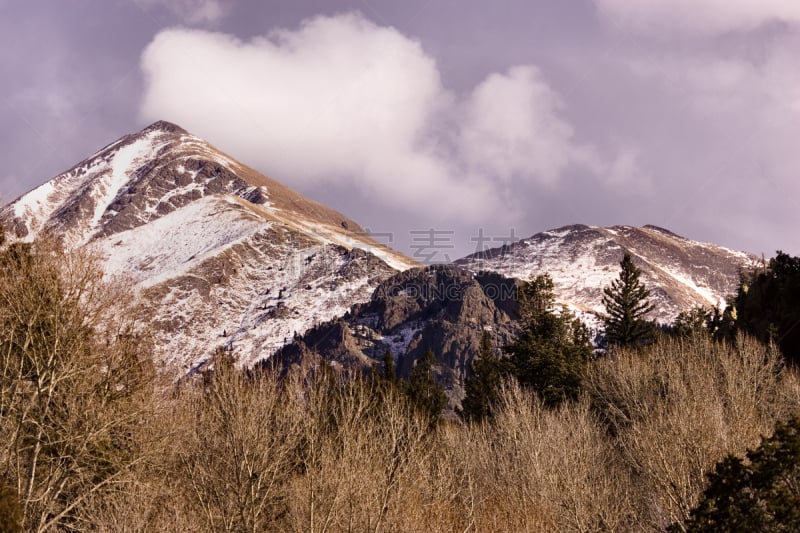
{"x":697,"y":321}
{"x":482,"y":386}
{"x":767,"y":304}
{"x":388,"y":371}
{"x":553,"y":348}
{"x":760,"y":494}
{"x":722,"y":324}
{"x":626,"y":305}
{"x":384,"y":378}
{"x":423,"y":391}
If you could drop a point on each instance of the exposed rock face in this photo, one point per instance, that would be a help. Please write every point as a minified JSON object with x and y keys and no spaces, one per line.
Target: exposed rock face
{"x":444,"y":308}
{"x":221,"y":255}
{"x":582,"y":260}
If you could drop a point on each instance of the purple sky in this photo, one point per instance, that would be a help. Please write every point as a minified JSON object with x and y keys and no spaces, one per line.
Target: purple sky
{"x":458,"y":116}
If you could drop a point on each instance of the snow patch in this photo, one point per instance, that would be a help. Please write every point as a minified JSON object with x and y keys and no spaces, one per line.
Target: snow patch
{"x":399,"y":339}
{"x":35,"y":204}
{"x":123,"y":164}
{"x":173,"y":244}
{"x":352,"y":240}
{"x":704,"y":292}
{"x":304,"y":291}
{"x":559,"y":234}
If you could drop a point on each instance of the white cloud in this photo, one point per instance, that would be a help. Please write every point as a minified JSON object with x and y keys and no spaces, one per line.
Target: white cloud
{"x":698,"y":16}
{"x":343,"y":100}
{"x":512,"y":127}
{"x":195,"y":12}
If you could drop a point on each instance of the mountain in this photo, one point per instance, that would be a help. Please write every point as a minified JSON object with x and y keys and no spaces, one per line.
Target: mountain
{"x":582,"y":260}
{"x":220,"y":254}
{"x":223,"y":256}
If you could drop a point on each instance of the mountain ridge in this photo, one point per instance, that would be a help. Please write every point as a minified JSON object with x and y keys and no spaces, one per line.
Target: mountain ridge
{"x":582,"y":260}
{"x":225,"y":257}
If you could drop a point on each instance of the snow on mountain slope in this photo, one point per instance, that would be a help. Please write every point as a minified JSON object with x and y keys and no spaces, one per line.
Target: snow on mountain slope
{"x":221,"y":254}
{"x":582,"y":260}
{"x":317,"y":285}
{"x":175,"y":243}
{"x":94,"y":184}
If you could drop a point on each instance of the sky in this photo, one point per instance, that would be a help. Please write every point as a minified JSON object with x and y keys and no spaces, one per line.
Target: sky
{"x":442,"y":126}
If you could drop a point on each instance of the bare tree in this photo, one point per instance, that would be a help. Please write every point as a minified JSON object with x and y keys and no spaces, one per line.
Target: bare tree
{"x":677,"y":408}
{"x":75,"y":378}
{"x":238,"y":450}
{"x":362,"y":454}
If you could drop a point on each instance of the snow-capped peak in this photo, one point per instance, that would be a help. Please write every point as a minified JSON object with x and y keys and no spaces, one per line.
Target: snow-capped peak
{"x":221,"y":254}
{"x":583,"y":260}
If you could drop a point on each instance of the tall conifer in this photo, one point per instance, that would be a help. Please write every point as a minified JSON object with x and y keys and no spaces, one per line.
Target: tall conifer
{"x":482,"y":386}
{"x":626,"y":302}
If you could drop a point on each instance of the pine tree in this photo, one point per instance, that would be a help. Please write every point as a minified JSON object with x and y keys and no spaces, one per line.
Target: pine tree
{"x":626,"y":305}
{"x":551,"y":352}
{"x":423,"y":391}
{"x":696,"y":321}
{"x":482,"y":386}
{"x":722,"y":323}
{"x":384,"y":378}
{"x":759,"y":494}
{"x":767,"y":304}
{"x":388,"y":371}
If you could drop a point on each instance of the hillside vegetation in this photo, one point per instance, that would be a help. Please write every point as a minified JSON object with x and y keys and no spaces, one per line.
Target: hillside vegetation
{"x":91,"y":440}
